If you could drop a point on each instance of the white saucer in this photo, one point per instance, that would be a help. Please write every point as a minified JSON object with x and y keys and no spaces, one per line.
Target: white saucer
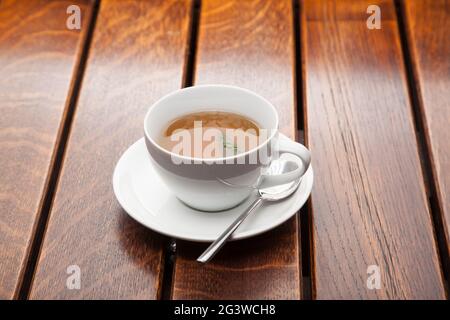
{"x":145,"y":197}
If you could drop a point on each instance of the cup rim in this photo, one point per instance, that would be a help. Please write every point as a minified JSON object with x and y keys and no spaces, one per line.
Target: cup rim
{"x":220,"y":159}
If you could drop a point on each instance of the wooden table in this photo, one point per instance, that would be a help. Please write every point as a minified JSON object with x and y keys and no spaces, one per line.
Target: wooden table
{"x":372,"y":105}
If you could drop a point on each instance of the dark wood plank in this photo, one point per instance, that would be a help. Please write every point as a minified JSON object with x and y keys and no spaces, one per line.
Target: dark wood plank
{"x":137,"y":55}
{"x":428,"y":24}
{"x":38,"y":58}
{"x":369,"y":204}
{"x":249,"y":44}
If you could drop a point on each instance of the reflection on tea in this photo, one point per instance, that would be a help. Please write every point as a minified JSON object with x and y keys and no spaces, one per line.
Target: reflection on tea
{"x":210,"y":134}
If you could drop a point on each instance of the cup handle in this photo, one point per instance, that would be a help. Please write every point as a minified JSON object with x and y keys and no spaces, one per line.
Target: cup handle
{"x":287,"y":145}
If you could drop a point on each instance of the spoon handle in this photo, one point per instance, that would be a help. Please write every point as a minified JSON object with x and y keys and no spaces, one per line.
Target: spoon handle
{"x":211,"y":251}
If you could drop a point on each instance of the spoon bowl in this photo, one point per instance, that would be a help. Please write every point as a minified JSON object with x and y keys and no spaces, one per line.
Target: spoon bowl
{"x":277,"y":193}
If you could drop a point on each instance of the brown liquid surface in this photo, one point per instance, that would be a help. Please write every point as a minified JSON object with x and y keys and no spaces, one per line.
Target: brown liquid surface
{"x":210,"y":134}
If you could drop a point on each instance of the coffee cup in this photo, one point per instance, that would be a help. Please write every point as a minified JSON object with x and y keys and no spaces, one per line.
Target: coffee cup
{"x":221,"y":183}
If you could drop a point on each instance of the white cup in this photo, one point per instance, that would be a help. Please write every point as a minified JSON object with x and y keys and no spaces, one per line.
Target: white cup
{"x":225,"y":182}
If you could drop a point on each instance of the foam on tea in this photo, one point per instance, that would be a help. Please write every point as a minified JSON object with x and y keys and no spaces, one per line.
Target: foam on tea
{"x":210,"y":134}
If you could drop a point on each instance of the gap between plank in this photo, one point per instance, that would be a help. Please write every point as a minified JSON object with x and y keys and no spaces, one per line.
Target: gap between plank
{"x":191,"y":50}
{"x":304,"y":213}
{"x":168,"y":270}
{"x":188,"y":81}
{"x":57,"y":159}
{"x":423,"y":147}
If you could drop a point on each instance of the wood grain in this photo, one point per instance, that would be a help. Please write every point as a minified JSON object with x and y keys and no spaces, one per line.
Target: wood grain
{"x":137,"y":55}
{"x":369,"y":205}
{"x":38,"y":58}
{"x":428,"y":24}
{"x":249,"y":44}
